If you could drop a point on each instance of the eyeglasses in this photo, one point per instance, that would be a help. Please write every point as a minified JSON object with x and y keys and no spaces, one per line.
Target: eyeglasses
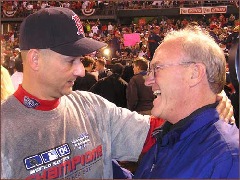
{"x":157,"y":67}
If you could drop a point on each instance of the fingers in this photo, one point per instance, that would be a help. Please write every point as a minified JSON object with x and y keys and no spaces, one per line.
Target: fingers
{"x":225,"y":109}
{"x":219,"y":97}
{"x":222,"y":104}
{"x":227,"y":115}
{"x":232,"y":120}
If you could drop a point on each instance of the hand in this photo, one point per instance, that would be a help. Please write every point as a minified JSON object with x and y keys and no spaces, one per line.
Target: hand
{"x":225,"y":108}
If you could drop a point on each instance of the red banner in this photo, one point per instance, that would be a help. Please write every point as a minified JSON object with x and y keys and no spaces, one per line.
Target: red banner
{"x":204,"y":10}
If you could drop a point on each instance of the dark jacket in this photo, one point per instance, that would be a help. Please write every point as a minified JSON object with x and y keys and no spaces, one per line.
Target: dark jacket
{"x":139,"y":96}
{"x":84,"y":83}
{"x":113,"y":88}
{"x":105,"y":73}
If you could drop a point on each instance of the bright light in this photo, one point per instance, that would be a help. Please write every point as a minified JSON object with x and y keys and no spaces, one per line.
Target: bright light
{"x":106,"y":52}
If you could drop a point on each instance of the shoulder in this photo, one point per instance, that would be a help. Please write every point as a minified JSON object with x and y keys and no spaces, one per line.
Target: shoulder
{"x":11,"y":107}
{"x":86,"y":98}
{"x":229,"y":134}
{"x":217,"y":136}
{"x":6,"y":102}
{"x":137,"y":77}
{"x":80,"y":95}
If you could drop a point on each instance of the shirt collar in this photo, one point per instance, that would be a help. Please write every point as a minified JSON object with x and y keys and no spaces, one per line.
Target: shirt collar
{"x":33,"y":102}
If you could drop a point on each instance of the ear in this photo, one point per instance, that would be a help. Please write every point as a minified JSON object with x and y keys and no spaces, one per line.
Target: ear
{"x":198,"y":72}
{"x":33,"y":59}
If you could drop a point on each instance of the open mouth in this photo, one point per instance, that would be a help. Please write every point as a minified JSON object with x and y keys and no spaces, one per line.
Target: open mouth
{"x":71,"y":82}
{"x":156,"y":93}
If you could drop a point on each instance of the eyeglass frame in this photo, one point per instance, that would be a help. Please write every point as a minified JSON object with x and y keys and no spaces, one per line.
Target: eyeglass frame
{"x":156,"y":67}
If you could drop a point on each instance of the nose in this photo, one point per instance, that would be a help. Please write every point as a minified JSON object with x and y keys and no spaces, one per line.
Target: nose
{"x":149,"y":79}
{"x":78,"y":69}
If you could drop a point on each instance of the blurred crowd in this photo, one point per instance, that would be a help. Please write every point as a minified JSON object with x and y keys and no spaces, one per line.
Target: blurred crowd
{"x":224,"y":28}
{"x":24,"y":8}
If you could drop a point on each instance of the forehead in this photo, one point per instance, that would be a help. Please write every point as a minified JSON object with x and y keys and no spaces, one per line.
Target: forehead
{"x":54,"y":55}
{"x":168,"y":52}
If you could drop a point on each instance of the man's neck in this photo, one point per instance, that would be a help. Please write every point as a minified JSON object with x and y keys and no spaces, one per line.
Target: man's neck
{"x":31,"y":101}
{"x":193,"y":102}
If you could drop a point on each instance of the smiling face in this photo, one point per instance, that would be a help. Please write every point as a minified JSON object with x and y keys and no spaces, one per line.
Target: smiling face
{"x":170,"y":83}
{"x":56,"y":73}
{"x":189,"y":70}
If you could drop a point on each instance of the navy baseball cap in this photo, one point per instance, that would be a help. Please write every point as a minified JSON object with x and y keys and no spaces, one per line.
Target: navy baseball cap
{"x":58,"y":29}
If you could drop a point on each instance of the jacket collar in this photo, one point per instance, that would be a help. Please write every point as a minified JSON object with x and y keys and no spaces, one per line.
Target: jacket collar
{"x":169,"y":134}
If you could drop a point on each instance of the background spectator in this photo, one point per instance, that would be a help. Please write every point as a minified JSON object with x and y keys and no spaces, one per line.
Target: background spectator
{"x":86,"y":82}
{"x":113,"y":87}
{"x":101,"y":68}
{"x":17,"y":76}
{"x":139,"y":97}
{"x":7,"y":88}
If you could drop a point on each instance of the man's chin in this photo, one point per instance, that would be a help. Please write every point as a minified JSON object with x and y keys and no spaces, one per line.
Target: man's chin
{"x":154,"y":112}
{"x":157,"y":112}
{"x":67,"y":92}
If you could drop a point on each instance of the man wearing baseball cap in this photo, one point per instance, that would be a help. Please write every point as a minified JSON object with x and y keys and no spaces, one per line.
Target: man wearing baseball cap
{"x":47,"y":130}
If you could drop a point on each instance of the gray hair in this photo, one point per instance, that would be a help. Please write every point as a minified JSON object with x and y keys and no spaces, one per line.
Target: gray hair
{"x":199,"y":46}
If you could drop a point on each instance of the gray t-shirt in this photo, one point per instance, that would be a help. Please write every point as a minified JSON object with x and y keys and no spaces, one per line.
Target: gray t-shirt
{"x":78,"y":139}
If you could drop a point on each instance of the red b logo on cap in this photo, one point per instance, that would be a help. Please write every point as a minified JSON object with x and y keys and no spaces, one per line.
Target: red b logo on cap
{"x":78,"y":24}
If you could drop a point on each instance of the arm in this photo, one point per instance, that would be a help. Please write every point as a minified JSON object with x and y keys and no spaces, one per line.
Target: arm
{"x":118,"y":127}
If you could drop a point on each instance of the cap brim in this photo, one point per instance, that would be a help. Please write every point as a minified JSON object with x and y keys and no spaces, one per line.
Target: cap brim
{"x":79,"y":48}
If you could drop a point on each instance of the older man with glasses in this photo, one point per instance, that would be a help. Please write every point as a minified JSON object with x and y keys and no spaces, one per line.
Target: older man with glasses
{"x":186,"y":74}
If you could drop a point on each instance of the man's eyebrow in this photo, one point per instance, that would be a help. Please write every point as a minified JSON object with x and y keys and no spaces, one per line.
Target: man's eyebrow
{"x":155,"y":63}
